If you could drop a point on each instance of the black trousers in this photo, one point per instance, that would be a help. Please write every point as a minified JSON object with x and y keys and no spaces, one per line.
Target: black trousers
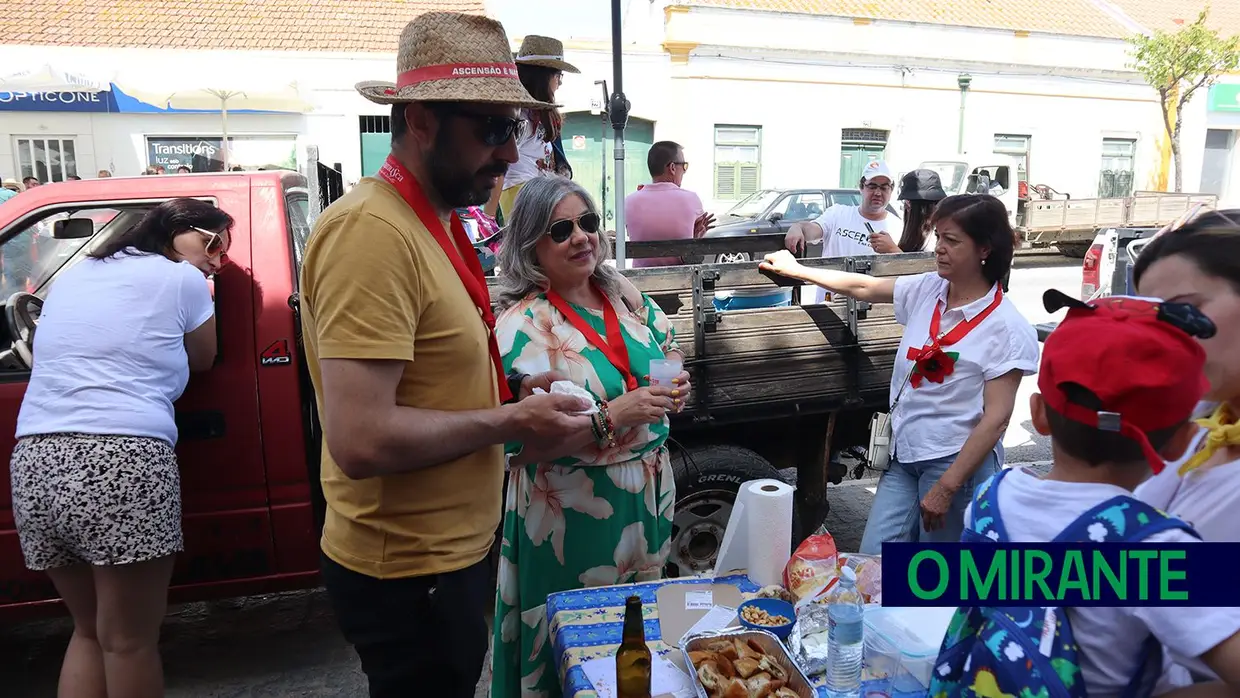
{"x":416,"y":636}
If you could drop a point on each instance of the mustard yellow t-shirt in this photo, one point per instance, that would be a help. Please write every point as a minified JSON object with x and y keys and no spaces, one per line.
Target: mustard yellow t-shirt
{"x":376,"y":285}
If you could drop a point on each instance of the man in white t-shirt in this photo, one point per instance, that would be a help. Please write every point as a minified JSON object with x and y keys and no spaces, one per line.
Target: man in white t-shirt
{"x":1145,"y":409}
{"x":847,"y":231}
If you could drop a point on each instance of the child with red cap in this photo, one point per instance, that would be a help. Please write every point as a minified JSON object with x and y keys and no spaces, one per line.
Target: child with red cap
{"x":1119,"y":380}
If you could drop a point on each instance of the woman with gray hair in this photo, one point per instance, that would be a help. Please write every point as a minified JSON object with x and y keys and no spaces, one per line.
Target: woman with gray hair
{"x":597,"y":510}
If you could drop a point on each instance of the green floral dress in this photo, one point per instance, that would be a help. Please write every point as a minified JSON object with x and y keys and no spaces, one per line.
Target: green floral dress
{"x":600,"y":517}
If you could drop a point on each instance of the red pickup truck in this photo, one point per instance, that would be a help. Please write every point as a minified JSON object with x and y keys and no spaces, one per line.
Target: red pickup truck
{"x":249,"y":441}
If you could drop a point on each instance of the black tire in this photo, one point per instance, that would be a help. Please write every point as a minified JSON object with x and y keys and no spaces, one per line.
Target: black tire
{"x":1076,"y":250}
{"x":707,"y":480}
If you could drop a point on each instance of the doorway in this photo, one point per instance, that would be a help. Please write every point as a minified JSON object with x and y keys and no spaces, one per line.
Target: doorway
{"x":588,"y":144}
{"x":858,"y":148}
{"x":1216,"y":162}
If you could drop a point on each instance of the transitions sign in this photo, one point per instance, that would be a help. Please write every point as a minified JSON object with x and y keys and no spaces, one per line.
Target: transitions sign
{"x":198,"y":154}
{"x":1060,"y":574}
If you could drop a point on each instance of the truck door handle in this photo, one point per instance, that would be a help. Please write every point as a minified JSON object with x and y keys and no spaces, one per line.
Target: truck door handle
{"x":200,"y":426}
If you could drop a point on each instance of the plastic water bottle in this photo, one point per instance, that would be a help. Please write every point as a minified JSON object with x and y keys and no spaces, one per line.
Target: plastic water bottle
{"x":845,"y":637}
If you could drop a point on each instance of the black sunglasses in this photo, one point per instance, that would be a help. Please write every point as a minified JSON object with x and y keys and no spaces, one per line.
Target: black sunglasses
{"x":494,"y":130}
{"x":563,"y":229}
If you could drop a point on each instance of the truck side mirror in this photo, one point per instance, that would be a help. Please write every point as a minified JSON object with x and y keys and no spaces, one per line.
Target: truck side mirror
{"x":776,"y":217}
{"x":73,"y":229}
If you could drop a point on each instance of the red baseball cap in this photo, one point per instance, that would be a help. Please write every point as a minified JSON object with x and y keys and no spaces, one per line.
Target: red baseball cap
{"x":1138,"y":355}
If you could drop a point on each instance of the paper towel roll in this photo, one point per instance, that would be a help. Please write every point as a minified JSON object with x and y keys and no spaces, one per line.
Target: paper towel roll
{"x":759,"y":534}
{"x":769,"y":527}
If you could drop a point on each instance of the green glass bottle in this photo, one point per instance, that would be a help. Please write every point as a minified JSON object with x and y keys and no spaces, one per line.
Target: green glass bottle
{"x":633,"y":656}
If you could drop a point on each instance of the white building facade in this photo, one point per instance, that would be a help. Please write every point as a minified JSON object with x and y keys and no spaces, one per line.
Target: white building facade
{"x":759,"y":98}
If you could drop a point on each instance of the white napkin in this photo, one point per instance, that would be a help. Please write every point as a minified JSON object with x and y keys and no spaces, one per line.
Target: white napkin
{"x":571,"y":388}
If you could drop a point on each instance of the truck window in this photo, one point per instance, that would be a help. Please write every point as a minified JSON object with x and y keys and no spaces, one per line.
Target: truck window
{"x":297,"y":209}
{"x":29,"y":259}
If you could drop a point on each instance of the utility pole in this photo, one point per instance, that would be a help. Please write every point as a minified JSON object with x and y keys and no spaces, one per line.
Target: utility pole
{"x":963,"y":80}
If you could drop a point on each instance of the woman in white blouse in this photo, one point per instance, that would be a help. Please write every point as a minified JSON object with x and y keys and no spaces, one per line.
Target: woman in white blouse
{"x":964,"y":351}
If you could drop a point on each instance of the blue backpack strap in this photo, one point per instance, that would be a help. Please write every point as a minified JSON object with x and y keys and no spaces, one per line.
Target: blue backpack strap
{"x":1121,"y":519}
{"x":1128,"y":519}
{"x":987,"y":525}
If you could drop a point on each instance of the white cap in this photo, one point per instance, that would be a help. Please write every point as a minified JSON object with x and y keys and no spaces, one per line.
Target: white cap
{"x":877,"y":168}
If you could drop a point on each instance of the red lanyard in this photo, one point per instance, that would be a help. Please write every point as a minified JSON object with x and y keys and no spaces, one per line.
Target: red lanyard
{"x":467,"y":266}
{"x":614,"y":347}
{"x":963,"y":328}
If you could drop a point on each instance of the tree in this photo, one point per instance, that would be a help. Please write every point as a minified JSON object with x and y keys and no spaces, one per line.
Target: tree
{"x":1179,"y":63}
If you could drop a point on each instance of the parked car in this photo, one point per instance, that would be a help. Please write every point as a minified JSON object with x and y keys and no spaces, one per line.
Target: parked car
{"x":774,"y":211}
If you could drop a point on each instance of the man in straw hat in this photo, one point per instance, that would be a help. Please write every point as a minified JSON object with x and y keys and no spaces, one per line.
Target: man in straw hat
{"x":401,"y":349}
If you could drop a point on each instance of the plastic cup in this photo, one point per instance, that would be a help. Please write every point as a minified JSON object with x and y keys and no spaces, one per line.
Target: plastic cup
{"x":664,"y":371}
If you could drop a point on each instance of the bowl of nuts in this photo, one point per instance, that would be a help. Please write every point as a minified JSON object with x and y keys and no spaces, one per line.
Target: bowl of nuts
{"x":772,"y":615}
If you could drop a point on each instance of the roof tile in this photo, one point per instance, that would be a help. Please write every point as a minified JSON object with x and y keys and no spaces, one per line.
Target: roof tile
{"x":1071,"y":17}
{"x":255,"y":25}
{"x":1168,"y":14}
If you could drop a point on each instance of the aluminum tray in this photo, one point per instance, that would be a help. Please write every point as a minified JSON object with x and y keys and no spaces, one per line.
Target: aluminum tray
{"x":797,"y":681}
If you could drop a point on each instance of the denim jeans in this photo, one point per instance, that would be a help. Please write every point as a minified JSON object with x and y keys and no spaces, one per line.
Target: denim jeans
{"x":896,"y":512}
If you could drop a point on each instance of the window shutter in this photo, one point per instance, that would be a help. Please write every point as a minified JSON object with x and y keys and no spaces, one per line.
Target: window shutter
{"x":725,"y":181}
{"x":747,"y":180}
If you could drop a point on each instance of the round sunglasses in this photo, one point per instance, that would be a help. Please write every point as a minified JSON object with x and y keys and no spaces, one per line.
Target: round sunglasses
{"x":562,"y":230}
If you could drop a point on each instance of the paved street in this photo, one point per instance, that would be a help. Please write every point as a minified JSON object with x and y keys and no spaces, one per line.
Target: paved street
{"x":287,"y":645}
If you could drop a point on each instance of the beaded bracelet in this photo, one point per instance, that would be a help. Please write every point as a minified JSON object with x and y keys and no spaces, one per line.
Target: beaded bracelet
{"x":608,"y":427}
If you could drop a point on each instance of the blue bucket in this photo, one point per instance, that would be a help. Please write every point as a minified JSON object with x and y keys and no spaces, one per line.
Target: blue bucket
{"x":746,"y":299}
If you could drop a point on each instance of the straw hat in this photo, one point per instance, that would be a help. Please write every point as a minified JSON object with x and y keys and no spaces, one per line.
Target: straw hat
{"x":10,"y":183}
{"x":451,"y":57}
{"x":544,"y":51}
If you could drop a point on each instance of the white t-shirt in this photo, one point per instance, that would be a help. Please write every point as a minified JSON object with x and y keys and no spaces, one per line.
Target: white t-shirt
{"x":1037,"y":510}
{"x":935,"y":419}
{"x":109,"y":354}
{"x":535,"y":156}
{"x":844,"y":235}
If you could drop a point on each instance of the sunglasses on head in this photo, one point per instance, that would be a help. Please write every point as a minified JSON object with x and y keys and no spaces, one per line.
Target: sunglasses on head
{"x":215,"y":241}
{"x":562,"y":230}
{"x":1187,"y":318}
{"x":495,"y":130}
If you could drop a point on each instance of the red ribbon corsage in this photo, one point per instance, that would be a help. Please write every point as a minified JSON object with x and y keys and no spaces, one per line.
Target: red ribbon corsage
{"x":931,"y":363}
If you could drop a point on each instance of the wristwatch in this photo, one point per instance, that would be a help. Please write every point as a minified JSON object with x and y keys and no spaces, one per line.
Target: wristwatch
{"x":515,"y":380}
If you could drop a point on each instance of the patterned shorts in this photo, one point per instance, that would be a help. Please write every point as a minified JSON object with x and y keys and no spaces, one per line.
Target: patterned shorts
{"x":104,"y":500}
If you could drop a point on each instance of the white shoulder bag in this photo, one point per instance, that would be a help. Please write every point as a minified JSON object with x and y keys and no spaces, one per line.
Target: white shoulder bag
{"x":879,"y":452}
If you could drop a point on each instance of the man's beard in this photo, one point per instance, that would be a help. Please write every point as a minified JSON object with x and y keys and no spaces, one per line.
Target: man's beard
{"x":458,"y":187}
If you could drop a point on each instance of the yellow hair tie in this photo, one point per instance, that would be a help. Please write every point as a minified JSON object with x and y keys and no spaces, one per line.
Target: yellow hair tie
{"x":1224,"y":432}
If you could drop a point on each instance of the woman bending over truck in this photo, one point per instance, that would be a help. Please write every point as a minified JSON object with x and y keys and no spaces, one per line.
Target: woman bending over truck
{"x":96,"y":491}
{"x":597,"y":510}
{"x":964,"y":351}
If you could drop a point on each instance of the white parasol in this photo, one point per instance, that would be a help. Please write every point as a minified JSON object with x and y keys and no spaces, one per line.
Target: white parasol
{"x":228,"y":93}
{"x":50,"y":78}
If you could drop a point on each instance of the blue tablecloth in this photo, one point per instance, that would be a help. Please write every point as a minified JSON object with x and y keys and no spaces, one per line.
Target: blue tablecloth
{"x":586,"y":624}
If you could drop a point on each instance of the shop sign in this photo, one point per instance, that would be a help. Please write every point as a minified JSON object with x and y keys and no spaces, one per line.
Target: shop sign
{"x":198,"y":154}
{"x":58,"y":101}
{"x":1225,"y":98}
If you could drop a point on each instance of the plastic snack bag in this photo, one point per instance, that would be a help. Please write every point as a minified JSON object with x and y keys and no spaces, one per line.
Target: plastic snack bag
{"x":812,"y":567}
{"x":869,"y":569}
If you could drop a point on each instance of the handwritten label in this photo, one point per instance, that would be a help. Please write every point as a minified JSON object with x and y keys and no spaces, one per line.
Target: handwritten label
{"x":699,"y":600}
